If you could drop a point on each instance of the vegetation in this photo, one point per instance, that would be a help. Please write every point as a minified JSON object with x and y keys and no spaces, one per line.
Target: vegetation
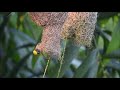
{"x":19,"y":36}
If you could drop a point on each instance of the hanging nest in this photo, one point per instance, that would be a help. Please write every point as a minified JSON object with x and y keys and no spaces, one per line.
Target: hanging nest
{"x":80,"y":27}
{"x":52,"y":23}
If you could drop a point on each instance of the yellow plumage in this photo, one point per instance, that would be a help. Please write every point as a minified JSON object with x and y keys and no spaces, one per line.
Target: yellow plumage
{"x":34,"y":52}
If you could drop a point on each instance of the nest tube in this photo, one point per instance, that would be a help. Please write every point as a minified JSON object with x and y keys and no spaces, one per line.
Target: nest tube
{"x":52,"y":23}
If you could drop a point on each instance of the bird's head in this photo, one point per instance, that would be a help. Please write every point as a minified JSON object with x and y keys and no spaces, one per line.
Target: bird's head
{"x":37,"y":49}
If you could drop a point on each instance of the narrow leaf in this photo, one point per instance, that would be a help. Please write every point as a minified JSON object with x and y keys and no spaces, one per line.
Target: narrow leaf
{"x":115,"y":42}
{"x":82,"y":69}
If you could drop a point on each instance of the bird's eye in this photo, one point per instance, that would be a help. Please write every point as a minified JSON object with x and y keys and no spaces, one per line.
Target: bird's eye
{"x":38,"y":51}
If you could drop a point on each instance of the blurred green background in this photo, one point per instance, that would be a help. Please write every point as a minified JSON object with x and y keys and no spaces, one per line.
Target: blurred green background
{"x":19,"y":35}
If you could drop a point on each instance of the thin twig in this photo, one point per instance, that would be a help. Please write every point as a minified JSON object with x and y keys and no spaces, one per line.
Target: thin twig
{"x":61,"y":59}
{"x":46,"y":67}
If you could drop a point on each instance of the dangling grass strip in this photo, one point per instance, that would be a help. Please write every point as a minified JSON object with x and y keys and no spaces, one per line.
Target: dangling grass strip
{"x":46,"y":67}
{"x":61,"y":60}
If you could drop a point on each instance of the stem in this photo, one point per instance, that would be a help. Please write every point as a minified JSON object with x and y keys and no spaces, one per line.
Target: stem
{"x":61,"y":60}
{"x":46,"y":67}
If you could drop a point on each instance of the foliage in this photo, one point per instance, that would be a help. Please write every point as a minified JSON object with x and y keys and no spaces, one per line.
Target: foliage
{"x":19,"y":35}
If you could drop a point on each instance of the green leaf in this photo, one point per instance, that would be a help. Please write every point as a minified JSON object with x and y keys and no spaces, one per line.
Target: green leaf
{"x":19,"y":65}
{"x":5,"y":13}
{"x":104,"y":15}
{"x":114,"y":64}
{"x":92,"y":72}
{"x":20,"y":19}
{"x":115,"y":42}
{"x":89,"y":61}
{"x":105,"y":37}
{"x":113,"y":54}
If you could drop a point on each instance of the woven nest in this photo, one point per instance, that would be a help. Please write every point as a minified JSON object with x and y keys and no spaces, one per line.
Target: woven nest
{"x":52,"y":23}
{"x":80,"y":27}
